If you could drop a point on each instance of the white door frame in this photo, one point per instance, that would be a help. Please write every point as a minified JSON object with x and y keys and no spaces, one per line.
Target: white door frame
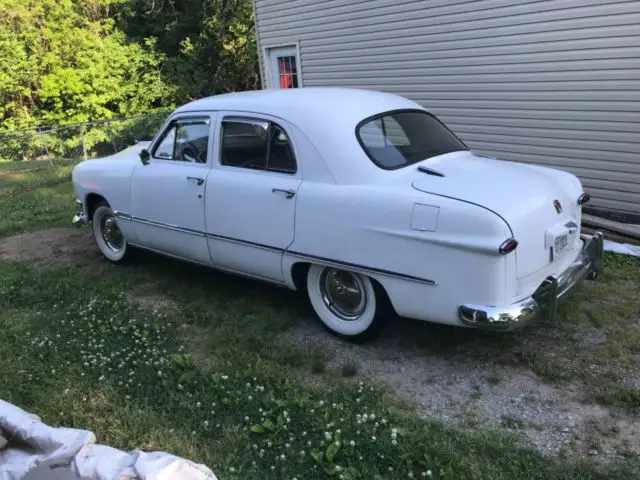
{"x":292,"y":49}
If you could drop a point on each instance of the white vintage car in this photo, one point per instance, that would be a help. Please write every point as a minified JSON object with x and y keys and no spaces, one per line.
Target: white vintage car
{"x":362,"y":199}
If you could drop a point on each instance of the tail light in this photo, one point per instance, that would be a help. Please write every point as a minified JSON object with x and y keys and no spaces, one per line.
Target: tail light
{"x":508,"y":246}
{"x":584,"y":198}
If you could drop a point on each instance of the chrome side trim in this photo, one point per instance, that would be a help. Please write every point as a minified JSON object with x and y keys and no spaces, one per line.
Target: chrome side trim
{"x":360,"y":268}
{"x":544,"y":301}
{"x":245,"y":242}
{"x":167,"y":226}
{"x":313,"y":258}
{"x":124,"y":216}
{"x":212,"y":266}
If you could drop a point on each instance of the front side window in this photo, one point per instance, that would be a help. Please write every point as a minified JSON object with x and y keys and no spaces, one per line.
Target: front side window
{"x":258,"y":145}
{"x":398,"y":139}
{"x":185,"y":140}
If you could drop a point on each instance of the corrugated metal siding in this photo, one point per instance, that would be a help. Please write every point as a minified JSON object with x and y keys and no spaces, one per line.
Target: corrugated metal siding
{"x":553,"y":82}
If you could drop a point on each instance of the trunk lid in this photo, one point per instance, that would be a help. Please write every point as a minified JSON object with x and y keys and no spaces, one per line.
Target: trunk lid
{"x":538,"y":206}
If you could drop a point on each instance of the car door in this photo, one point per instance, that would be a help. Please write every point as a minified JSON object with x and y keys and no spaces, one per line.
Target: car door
{"x":251,"y":195}
{"x":168,"y":192}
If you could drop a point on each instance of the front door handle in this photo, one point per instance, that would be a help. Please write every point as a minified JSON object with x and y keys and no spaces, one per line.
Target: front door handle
{"x":288,"y":193}
{"x":198,"y":180}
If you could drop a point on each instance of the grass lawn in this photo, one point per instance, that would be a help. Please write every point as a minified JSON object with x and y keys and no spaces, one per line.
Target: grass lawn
{"x":161,"y":355}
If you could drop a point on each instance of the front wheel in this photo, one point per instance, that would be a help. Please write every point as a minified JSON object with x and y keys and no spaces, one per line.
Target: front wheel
{"x":109,"y":237}
{"x":345,"y":302}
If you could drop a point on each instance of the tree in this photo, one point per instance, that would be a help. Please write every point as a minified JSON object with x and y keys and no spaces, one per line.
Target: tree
{"x":65,"y":61}
{"x":210,"y":45}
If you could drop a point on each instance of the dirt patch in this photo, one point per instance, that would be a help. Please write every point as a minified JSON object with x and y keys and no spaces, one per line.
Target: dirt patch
{"x":54,"y":247}
{"x":456,"y":378}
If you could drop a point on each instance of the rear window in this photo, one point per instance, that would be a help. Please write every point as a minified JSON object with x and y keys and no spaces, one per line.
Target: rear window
{"x":398,"y":139}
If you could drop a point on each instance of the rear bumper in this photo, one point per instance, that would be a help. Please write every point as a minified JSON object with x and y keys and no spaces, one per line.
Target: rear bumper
{"x":80,"y":218}
{"x":544,"y":301}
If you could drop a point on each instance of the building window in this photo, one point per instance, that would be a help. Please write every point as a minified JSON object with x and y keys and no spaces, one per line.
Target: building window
{"x":284,"y":67}
{"x":287,"y":72}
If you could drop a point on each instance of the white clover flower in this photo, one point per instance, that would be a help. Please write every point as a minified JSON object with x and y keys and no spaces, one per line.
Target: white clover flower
{"x":352,"y":443}
{"x":394,"y":442}
{"x":206,"y":423}
{"x":373,"y":438}
{"x":410,"y":474}
{"x":282,"y":457}
{"x":231,"y":469}
{"x":338,"y":468}
{"x":302,"y":453}
{"x":327,"y":435}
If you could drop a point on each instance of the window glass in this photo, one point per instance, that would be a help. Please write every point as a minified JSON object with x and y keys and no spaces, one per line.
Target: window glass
{"x":257,"y":145}
{"x":185,"y":140}
{"x":165,"y":148}
{"x":244,"y":144}
{"x":398,"y":139}
{"x":287,"y":72}
{"x":280,"y":152}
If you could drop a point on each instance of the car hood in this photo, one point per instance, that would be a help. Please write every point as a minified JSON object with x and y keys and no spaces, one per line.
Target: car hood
{"x":522,"y":195}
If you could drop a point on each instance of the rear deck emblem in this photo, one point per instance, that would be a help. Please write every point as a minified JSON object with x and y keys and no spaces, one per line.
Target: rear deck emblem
{"x":558,"y":206}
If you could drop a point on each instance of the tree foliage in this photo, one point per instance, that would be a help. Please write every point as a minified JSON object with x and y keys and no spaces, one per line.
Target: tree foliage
{"x":69,"y":61}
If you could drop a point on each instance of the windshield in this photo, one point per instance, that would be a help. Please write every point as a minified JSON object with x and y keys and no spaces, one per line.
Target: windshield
{"x":398,"y":139}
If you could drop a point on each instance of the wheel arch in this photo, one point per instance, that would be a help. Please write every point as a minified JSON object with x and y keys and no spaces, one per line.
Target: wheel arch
{"x":300,"y":269}
{"x":92,"y":200}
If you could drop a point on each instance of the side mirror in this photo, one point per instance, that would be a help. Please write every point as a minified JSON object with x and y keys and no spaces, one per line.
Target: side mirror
{"x":145,"y":156}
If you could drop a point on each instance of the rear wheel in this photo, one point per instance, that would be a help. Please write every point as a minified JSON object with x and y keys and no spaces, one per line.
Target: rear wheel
{"x":109,"y":238}
{"x":345,"y":302}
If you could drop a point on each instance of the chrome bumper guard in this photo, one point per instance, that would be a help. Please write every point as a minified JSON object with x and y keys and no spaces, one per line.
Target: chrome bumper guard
{"x":80,"y":218}
{"x":544,"y":301}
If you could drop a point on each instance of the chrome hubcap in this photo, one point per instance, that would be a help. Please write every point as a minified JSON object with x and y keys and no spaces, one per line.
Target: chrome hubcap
{"x":343,"y":293}
{"x":111,"y":234}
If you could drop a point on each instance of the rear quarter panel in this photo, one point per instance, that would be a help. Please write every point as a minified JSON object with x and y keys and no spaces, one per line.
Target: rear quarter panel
{"x":370,"y":226}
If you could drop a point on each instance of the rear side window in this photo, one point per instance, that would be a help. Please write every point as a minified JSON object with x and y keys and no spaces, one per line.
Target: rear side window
{"x":398,"y":139}
{"x":257,"y":145}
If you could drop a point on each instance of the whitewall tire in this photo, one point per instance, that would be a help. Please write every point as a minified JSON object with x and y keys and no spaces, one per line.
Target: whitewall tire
{"x":109,"y":237}
{"x":345,"y":302}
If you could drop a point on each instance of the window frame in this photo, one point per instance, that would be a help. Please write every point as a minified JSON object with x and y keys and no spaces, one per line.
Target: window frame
{"x":371,"y":118}
{"x":254,"y":120}
{"x":170,"y":123}
{"x":292,"y":49}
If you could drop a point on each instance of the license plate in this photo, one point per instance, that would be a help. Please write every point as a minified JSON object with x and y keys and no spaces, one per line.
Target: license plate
{"x":560,"y":244}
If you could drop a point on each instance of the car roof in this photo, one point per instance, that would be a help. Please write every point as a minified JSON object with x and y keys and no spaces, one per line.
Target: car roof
{"x":328,"y":116}
{"x":297,"y":103}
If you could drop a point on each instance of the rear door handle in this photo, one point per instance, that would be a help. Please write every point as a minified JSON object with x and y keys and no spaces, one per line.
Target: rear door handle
{"x":288,"y":193}
{"x":199,"y":181}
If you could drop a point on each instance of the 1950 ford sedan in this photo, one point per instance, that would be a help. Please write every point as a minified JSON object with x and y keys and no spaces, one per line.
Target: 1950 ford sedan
{"x":362,"y":199}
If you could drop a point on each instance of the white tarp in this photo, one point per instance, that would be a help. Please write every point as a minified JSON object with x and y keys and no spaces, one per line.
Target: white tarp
{"x":624,"y":248}
{"x":31,"y":443}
